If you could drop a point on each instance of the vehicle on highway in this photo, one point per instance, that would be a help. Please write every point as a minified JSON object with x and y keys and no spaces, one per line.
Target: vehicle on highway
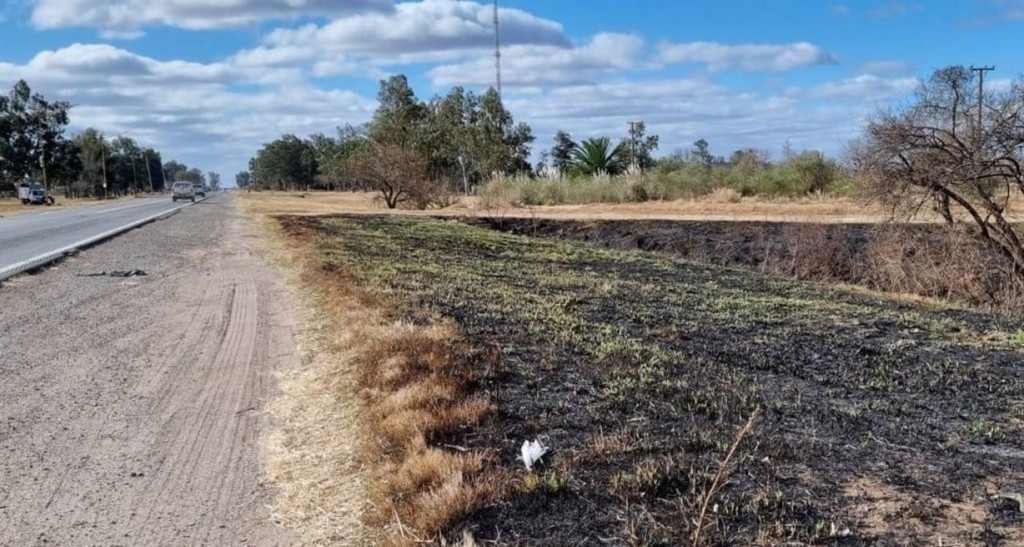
{"x":183,"y":190}
{"x":199,"y":189}
{"x":33,"y":194}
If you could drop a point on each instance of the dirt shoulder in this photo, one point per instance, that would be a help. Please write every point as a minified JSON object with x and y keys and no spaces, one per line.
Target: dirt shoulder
{"x":134,"y":410}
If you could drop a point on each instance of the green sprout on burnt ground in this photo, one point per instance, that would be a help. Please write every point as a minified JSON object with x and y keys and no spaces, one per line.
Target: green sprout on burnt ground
{"x":639,"y":368}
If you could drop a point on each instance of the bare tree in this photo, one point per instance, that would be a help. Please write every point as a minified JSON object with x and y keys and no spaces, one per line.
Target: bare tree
{"x":396,"y":172}
{"x":936,"y":151}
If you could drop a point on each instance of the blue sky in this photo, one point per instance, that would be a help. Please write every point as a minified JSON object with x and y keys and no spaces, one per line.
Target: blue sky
{"x":208,"y":81}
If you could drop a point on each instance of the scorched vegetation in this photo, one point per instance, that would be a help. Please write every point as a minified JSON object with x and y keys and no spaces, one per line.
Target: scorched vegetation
{"x":869,"y":421}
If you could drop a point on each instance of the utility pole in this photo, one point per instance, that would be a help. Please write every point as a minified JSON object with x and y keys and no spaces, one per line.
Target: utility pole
{"x":42,"y":165}
{"x":632,"y":144}
{"x":497,"y":50}
{"x":41,"y":120}
{"x":981,"y":70}
{"x":103,"y":156}
{"x":149,"y":170}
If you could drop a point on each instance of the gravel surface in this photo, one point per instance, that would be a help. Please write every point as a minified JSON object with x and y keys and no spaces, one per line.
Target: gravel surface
{"x":132,"y":410}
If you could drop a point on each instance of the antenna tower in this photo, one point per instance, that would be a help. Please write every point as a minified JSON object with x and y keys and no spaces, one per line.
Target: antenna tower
{"x":497,"y":50}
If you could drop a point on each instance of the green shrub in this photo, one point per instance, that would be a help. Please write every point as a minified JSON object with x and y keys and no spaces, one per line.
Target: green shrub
{"x":809,"y":173}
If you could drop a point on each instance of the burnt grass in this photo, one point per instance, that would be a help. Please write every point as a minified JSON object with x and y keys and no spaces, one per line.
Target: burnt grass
{"x":638,"y":369}
{"x":730,"y":243}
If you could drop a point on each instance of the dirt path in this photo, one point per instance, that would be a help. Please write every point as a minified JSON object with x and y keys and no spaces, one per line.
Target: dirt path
{"x":132,"y":410}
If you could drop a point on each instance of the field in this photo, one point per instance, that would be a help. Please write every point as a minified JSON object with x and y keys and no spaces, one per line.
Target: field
{"x":875,"y":421}
{"x":837,"y":210}
{"x":911,"y":259}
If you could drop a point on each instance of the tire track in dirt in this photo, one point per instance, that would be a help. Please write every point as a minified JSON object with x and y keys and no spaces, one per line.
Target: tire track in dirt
{"x":139,"y":422}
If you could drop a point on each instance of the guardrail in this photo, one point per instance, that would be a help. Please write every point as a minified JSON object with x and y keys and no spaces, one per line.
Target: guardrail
{"x":8,"y":272}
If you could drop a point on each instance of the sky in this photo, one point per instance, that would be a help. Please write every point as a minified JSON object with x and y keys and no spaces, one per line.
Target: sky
{"x":207,"y":82}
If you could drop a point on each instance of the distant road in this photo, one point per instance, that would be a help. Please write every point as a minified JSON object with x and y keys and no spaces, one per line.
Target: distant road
{"x":34,"y":237}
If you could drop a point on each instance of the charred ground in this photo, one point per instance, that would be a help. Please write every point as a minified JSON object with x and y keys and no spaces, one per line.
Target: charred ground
{"x":931,"y":260}
{"x":883,"y":422}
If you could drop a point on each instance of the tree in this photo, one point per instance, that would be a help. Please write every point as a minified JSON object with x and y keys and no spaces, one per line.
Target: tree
{"x":125,"y":166}
{"x":936,"y":150}
{"x":175,"y":171}
{"x":701,"y":153}
{"x":397,"y":173}
{"x":561,"y":152}
{"x":331,"y":156}
{"x":596,"y":156}
{"x":497,"y":145}
{"x":446,"y":135}
{"x":813,"y":171}
{"x":65,"y":165}
{"x":213,"y":179}
{"x":288,"y":163}
{"x":749,"y":161}
{"x":31,"y":134}
{"x":193,"y":175}
{"x":243,"y":179}
{"x":93,"y":152}
{"x":641,"y":147}
{"x":469,"y":137}
{"x":399,"y":115}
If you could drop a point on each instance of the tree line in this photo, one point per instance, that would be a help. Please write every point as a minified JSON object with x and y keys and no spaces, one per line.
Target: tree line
{"x":34,"y":148}
{"x":448,"y":144}
{"x":422,"y":153}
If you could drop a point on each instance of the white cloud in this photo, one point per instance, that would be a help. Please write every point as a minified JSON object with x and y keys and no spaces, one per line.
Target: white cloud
{"x":886,"y":68}
{"x":866,"y":88}
{"x":531,"y":65}
{"x":126,"y":18}
{"x":217,"y":114}
{"x":682,"y":110}
{"x":108,"y":66}
{"x":425,"y":31}
{"x":746,"y":57}
{"x":189,"y":111}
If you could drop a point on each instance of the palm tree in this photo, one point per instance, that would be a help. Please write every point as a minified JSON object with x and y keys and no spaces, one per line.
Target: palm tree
{"x":597,"y":156}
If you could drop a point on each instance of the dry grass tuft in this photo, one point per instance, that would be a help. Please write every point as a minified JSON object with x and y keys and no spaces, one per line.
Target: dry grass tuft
{"x":414,"y":385}
{"x":724,"y":195}
{"x":311,"y":456}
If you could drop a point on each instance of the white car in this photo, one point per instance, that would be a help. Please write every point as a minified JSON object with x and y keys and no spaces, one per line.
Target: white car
{"x":183,"y":190}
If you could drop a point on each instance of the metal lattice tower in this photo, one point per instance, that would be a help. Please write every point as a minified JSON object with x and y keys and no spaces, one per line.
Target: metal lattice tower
{"x":497,"y":50}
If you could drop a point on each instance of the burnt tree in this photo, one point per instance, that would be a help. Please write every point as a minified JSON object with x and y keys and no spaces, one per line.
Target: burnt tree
{"x":956,"y":150}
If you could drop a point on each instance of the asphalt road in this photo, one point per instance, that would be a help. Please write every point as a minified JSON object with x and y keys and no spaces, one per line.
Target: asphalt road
{"x":23,"y":237}
{"x":134,"y":411}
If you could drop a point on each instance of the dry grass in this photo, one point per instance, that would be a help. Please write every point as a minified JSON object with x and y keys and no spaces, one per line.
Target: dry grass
{"x":312,"y":455}
{"x":410,"y":384}
{"x":724,"y":195}
{"x":879,"y":506}
{"x":716,"y":207}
